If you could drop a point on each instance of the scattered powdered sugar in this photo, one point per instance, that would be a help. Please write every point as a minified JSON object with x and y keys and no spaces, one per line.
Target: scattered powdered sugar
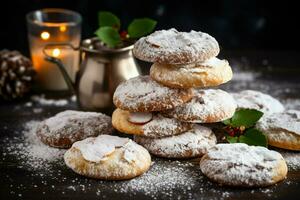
{"x":245,"y":76}
{"x":240,"y":164}
{"x":291,"y":103}
{"x":30,"y":151}
{"x":168,"y":179}
{"x":242,"y":71}
{"x":41,"y":99}
{"x":174,"y":47}
{"x":164,"y":178}
{"x":292,"y":159}
{"x":206,"y":105}
{"x":194,"y":142}
{"x":257,"y":100}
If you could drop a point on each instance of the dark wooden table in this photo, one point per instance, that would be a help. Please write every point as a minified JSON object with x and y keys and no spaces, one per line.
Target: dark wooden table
{"x":276,"y":73}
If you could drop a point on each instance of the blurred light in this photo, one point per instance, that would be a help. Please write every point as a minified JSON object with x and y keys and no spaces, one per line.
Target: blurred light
{"x":55,"y":52}
{"x":45,"y":35}
{"x":62,"y":28}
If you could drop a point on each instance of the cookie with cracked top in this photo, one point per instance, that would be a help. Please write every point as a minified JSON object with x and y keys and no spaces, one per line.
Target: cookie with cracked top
{"x":69,"y":126}
{"x":175,"y":47}
{"x":192,"y":143}
{"x":241,"y":165}
{"x":142,"y":94}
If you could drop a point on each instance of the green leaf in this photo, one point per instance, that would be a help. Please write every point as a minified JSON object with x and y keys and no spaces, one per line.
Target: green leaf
{"x":254,"y":137}
{"x":227,"y":121}
{"x":108,"y":19}
{"x":141,"y":27}
{"x":231,"y":139}
{"x":245,"y":117}
{"x":109,"y":36}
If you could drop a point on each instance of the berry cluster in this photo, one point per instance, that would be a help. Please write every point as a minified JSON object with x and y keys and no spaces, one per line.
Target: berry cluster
{"x":234,"y":131}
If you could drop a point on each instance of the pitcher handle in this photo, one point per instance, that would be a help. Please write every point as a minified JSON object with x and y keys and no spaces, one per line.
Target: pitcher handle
{"x":59,"y":63}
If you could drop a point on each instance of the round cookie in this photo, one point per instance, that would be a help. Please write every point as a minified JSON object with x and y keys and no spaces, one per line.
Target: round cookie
{"x":244,"y":166}
{"x":159,"y":126}
{"x":212,"y":72}
{"x":174,"y":47}
{"x":69,"y":126}
{"x":282,"y":129}
{"x":142,"y":94}
{"x":257,"y":100}
{"x":108,"y":157}
{"x":207,"y":106}
{"x":193,"y":143}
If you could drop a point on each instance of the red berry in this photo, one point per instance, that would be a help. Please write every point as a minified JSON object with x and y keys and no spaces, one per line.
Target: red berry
{"x":123,"y":34}
{"x":231,"y":133}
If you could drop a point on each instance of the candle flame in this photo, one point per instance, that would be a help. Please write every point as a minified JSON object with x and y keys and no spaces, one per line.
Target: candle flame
{"x":45,"y":35}
{"x":63,"y":28}
{"x":56,"y":52}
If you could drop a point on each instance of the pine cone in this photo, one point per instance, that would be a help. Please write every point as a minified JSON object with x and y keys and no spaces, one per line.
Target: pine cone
{"x":16,"y":74}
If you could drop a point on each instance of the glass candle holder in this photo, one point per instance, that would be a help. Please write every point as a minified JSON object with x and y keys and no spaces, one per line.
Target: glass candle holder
{"x":48,"y":26}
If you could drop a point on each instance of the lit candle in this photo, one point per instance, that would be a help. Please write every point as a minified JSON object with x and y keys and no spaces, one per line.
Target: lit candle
{"x":50,"y":29}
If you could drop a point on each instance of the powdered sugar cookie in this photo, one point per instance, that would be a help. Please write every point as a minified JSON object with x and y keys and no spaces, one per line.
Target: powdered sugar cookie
{"x":193,"y":143}
{"x":205,"y":107}
{"x":67,"y":127}
{"x":157,"y":126}
{"x":211,"y":72}
{"x":282,"y":129}
{"x":108,"y":157}
{"x":257,"y":100}
{"x":242,"y":165}
{"x":142,"y":94}
{"x":174,"y":47}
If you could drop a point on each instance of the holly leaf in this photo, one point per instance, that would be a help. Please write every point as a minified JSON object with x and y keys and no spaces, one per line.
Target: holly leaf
{"x":109,"y":36}
{"x":141,"y":27}
{"x":245,"y":117}
{"x":108,"y":19}
{"x":254,"y":137}
{"x":227,"y":121}
{"x":231,"y":139}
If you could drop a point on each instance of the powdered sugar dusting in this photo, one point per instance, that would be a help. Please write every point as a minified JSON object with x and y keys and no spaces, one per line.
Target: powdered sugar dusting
{"x":166,"y":179}
{"x":173,"y":47}
{"x":31,"y":152}
{"x":213,"y":62}
{"x":73,"y":125}
{"x":204,"y":106}
{"x":143,"y":92}
{"x":41,"y":99}
{"x":64,"y":118}
{"x":240,"y":164}
{"x":194,"y":142}
{"x":288,"y":121}
{"x":258,"y":100}
{"x":292,"y":159}
{"x":161,"y":126}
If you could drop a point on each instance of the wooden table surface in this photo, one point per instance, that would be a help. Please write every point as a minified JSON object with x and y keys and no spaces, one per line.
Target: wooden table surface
{"x":276,"y":73}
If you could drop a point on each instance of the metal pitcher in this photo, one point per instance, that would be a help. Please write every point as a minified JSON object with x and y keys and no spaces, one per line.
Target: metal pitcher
{"x":100,"y":72}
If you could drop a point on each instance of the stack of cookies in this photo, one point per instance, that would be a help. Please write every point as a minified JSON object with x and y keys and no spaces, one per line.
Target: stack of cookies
{"x":166,"y":109}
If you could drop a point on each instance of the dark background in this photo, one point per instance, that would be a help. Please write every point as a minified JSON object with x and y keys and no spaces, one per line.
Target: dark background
{"x":236,"y":24}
